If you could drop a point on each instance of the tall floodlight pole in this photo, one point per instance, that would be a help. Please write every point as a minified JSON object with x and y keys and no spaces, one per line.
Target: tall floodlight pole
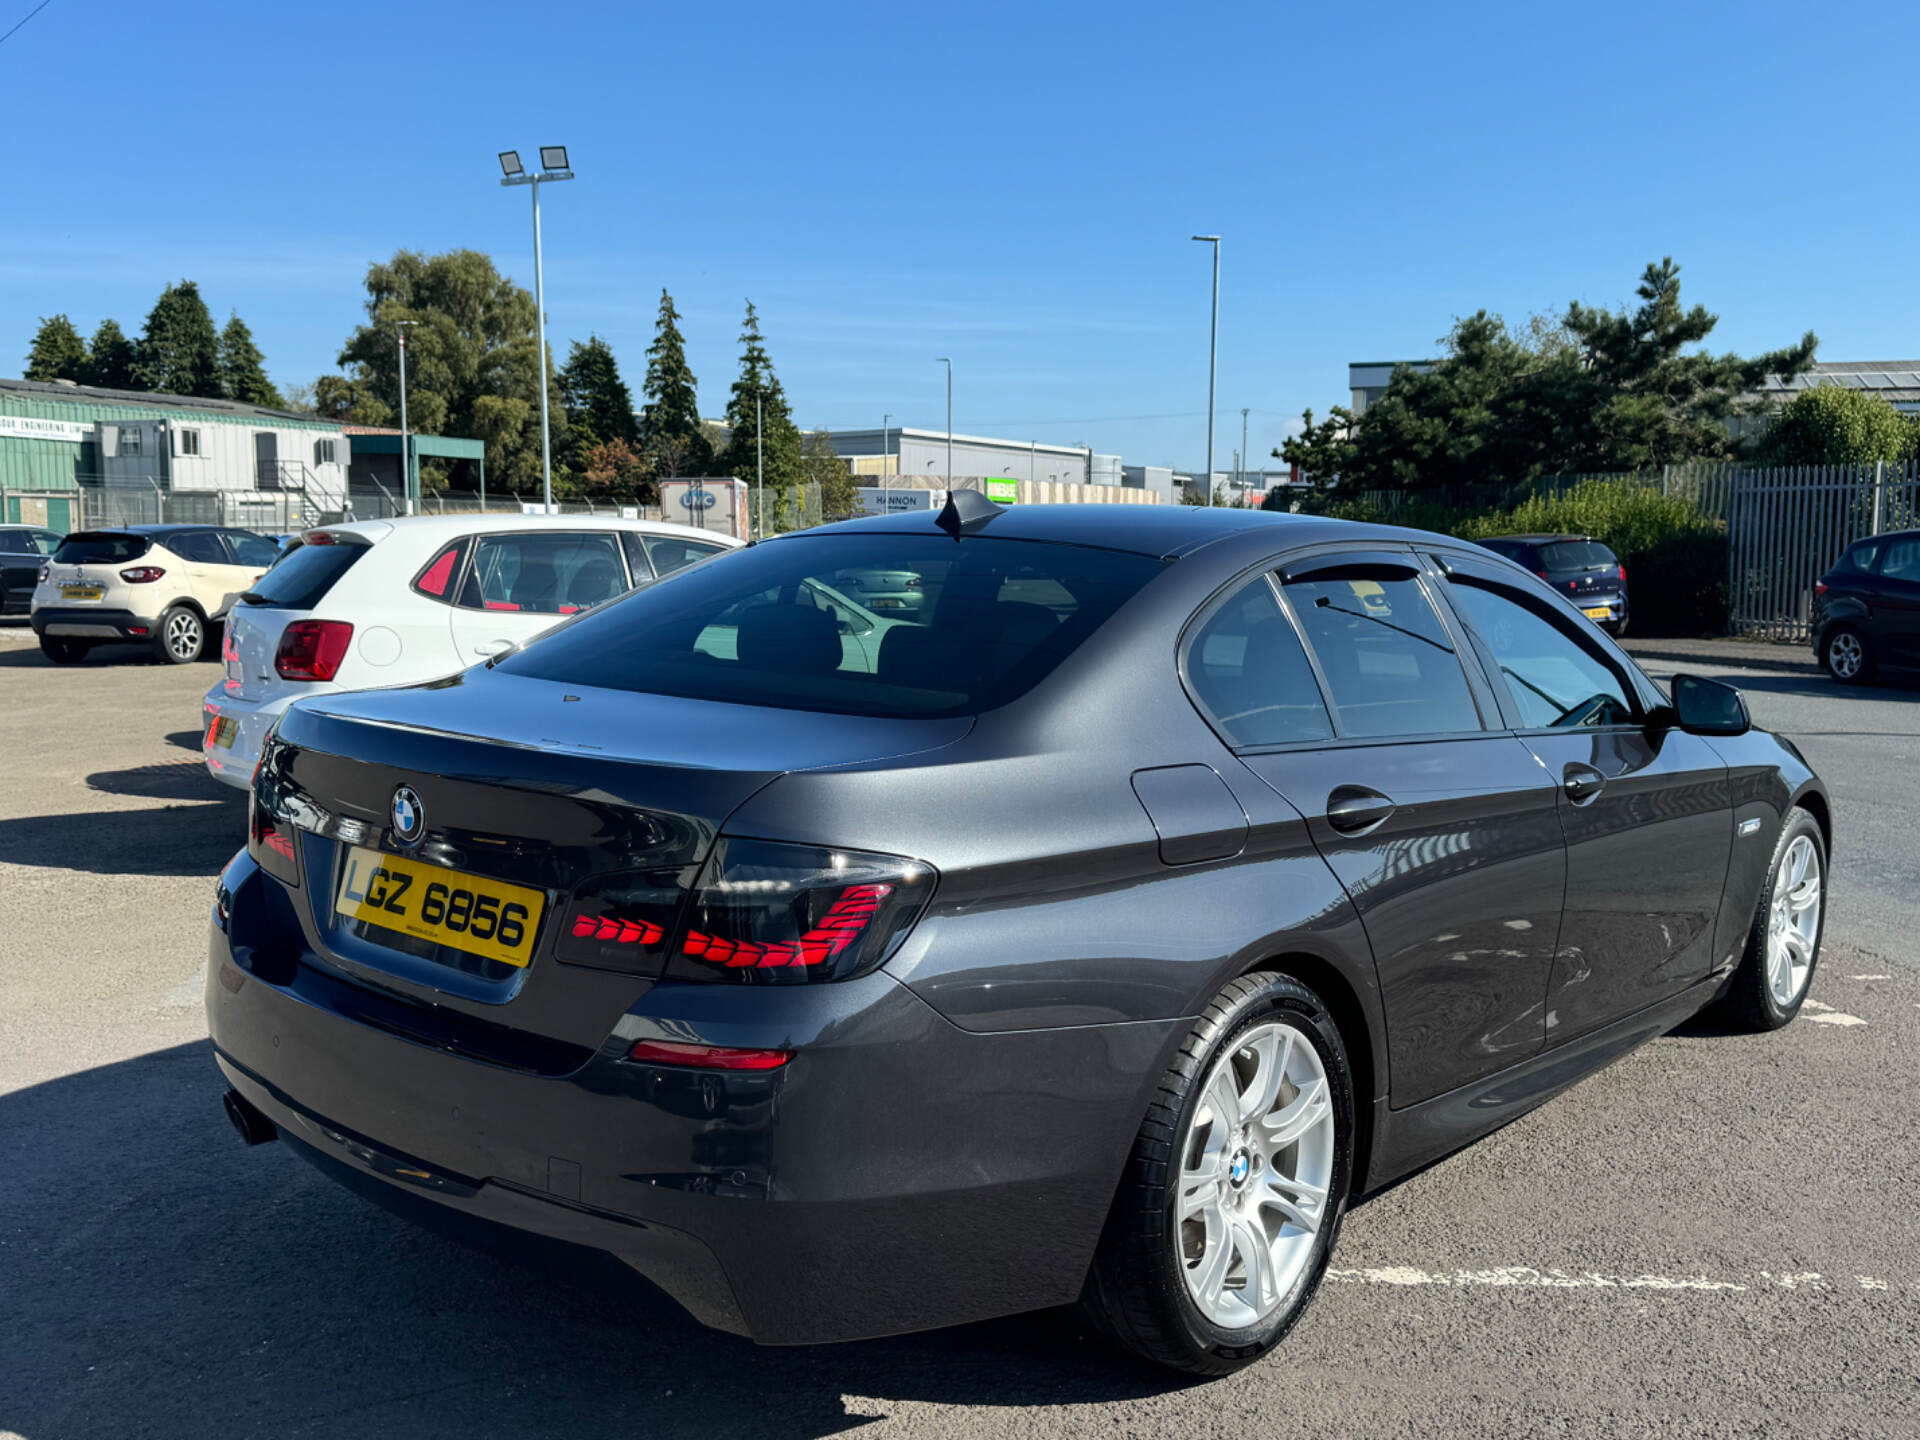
{"x":1244,"y":457}
{"x":406,"y":438}
{"x":553,"y":166}
{"x":884,"y":420}
{"x":1213,"y":360}
{"x":760,"y":460}
{"x":943,"y":360}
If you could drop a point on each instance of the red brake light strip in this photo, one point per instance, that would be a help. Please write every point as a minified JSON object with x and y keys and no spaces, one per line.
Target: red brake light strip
{"x":836,"y":931}
{"x":618,"y":932}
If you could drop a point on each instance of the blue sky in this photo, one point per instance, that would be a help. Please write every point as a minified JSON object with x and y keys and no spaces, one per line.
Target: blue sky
{"x":1009,"y":185}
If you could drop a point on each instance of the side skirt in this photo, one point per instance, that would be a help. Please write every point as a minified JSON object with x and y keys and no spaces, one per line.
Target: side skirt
{"x":1406,"y":1140}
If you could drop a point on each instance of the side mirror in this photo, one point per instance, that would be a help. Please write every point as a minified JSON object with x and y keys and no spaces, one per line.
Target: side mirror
{"x":1706,"y":707}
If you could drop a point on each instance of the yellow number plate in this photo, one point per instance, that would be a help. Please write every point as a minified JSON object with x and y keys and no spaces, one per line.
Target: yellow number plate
{"x":1600,"y":613}
{"x":449,"y":907}
{"x":224,"y":731}
{"x":81,"y":592}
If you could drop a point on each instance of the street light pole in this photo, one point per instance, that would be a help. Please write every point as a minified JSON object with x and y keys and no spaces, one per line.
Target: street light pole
{"x":1243,"y":447}
{"x":943,"y":360}
{"x":883,"y":447}
{"x":1213,"y":359}
{"x":553,"y":166}
{"x":406,"y":438}
{"x":760,"y":461}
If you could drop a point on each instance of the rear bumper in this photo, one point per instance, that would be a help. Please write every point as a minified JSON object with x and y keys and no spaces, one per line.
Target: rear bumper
{"x":898,"y":1174}
{"x":89,"y":622}
{"x":252,"y":719}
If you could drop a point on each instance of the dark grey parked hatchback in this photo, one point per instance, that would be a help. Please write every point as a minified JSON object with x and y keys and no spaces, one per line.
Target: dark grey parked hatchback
{"x":1093,"y":932}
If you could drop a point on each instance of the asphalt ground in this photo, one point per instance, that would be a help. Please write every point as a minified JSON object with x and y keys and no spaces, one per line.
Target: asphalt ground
{"x":1716,"y":1236}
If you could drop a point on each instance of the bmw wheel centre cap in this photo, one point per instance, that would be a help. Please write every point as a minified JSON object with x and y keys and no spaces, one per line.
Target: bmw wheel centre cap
{"x":409,"y":816}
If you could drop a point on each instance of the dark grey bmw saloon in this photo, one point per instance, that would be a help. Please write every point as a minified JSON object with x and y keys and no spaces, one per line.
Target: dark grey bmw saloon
{"x":1093,"y":931}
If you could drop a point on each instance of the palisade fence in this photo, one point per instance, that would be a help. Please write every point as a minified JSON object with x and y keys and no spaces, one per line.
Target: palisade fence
{"x":1788,"y":525}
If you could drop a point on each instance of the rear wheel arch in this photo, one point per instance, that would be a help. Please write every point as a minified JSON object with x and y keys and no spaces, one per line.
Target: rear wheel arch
{"x":1349,"y":1014}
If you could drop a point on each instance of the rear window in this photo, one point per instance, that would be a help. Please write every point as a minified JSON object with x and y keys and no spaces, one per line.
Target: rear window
{"x":1862,"y":557}
{"x":100,"y":548}
{"x":1577,"y":555}
{"x":780,"y":625}
{"x":303,"y":576}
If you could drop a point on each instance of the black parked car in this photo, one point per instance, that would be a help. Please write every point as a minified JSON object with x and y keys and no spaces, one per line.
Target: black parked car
{"x":1866,"y":609}
{"x":23,"y":551}
{"x":1585,"y":572}
{"x":1169,"y":878}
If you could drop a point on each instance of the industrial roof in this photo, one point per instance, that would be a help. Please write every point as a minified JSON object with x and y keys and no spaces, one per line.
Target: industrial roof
{"x":57,"y":391}
{"x":1877,"y":375}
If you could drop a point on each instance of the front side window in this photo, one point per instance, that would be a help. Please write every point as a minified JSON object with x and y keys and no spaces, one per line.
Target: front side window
{"x":543,"y":574}
{"x":1902,"y":561}
{"x":1554,"y":681}
{"x":777,"y":625}
{"x":1250,"y":674}
{"x":1388,"y":661}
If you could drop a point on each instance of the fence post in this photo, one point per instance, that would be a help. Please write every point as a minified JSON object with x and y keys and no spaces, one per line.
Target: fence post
{"x":1879,"y":496}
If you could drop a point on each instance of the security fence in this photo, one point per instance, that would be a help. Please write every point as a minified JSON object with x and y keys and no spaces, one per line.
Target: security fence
{"x":1788,"y":525}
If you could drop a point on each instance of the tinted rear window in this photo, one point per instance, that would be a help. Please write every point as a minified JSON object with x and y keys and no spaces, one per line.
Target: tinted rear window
{"x":100,"y":548}
{"x":779,"y":625}
{"x":1577,"y":555}
{"x":303,"y":576}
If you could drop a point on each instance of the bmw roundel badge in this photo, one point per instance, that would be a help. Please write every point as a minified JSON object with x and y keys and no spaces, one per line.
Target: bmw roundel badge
{"x":409,"y":815}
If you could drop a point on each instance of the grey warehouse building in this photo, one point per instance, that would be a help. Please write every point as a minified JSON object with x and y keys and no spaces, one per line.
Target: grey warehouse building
{"x":922,"y":455}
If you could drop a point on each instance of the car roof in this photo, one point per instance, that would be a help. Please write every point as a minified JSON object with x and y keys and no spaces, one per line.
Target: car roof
{"x":1145,"y":529}
{"x":1539,"y":539}
{"x":452,"y":526}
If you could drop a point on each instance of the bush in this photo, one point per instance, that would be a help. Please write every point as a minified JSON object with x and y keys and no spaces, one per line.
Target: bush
{"x":1675,"y":557}
{"x":1828,"y":425}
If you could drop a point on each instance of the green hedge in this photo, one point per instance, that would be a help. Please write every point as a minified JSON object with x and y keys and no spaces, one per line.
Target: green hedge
{"x":1676,"y":557}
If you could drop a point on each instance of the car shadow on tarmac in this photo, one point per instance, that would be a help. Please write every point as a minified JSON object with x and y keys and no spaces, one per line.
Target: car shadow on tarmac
{"x":196,"y":833}
{"x":161,"y":1278}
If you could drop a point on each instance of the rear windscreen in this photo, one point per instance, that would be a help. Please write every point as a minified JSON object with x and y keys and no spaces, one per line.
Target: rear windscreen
{"x":302,"y":577}
{"x":1576,"y":555}
{"x":782,"y":624}
{"x":100,"y":548}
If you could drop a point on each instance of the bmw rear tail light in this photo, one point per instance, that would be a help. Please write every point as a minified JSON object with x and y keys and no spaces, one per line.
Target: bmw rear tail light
{"x":312,"y":649}
{"x":270,"y":843}
{"x":772,"y":914}
{"x":142,"y":574}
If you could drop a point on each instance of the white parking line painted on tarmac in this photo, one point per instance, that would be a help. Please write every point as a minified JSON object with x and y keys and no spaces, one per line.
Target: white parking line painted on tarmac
{"x":1826,"y":1015}
{"x":1530,"y":1277}
{"x":1870,"y":977}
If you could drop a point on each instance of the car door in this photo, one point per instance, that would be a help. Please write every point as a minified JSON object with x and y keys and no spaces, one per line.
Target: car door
{"x":208,"y":566}
{"x":1441,"y":826}
{"x":1646,"y":810}
{"x":19,"y":566}
{"x":1896,"y":602}
{"x":519,"y":583}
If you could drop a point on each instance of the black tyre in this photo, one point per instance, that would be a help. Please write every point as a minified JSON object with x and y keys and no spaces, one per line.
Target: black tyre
{"x":63,"y":651}
{"x":1848,"y":655}
{"x":180,"y":637}
{"x":1238,"y":1181}
{"x":1617,"y":628}
{"x":1783,"y":945}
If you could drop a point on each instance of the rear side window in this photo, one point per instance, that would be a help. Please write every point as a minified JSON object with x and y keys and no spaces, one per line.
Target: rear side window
{"x":1577,"y":555}
{"x":1250,"y":674}
{"x":671,"y":553}
{"x":436,"y":581}
{"x":304,"y":576}
{"x":779,"y":625}
{"x":1861,"y":557}
{"x":1902,"y":560}
{"x":89,"y":547}
{"x":202,"y":547}
{"x":543,"y":574}
{"x":1387,"y":659}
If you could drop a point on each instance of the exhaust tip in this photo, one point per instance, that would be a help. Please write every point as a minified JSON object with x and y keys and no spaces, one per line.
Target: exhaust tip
{"x":252,"y":1127}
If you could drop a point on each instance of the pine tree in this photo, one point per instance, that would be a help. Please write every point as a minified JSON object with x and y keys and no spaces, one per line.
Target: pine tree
{"x":757,"y":382}
{"x":179,"y":353}
{"x":58,"y":351}
{"x":110,"y":359}
{"x":243,"y":374}
{"x":598,"y":405}
{"x":670,"y":429}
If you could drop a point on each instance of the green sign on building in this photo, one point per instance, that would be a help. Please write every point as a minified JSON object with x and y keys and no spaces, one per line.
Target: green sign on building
{"x":1006,"y":492}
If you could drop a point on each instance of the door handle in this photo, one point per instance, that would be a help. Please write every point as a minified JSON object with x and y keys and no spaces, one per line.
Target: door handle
{"x":1582,"y":783}
{"x":1354,"y":809}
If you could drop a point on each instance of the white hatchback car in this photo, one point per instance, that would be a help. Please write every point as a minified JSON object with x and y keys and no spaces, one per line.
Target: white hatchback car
{"x":391,"y":602}
{"x":165,"y":585}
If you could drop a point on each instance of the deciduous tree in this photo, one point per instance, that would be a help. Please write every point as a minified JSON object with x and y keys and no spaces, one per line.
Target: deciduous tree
{"x":1831,"y":425}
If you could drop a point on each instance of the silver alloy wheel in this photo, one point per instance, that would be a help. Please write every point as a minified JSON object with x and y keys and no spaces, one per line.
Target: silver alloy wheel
{"x":183,"y":635}
{"x":1845,"y":655}
{"x":1255,"y":1166}
{"x":1793,"y":921}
